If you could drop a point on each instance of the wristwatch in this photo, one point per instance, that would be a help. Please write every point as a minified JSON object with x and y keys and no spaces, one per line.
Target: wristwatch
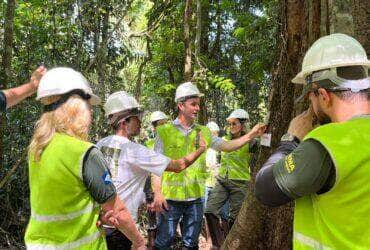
{"x":290,"y":137}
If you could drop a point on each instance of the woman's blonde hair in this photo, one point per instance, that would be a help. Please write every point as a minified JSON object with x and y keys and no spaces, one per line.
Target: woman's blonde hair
{"x":73,"y":118}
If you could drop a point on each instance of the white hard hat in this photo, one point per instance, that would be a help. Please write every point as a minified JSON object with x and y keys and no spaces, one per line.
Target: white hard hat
{"x":157,"y":115}
{"x":238,"y":114}
{"x":187,"y":89}
{"x":62,"y":80}
{"x":120,"y":101}
{"x":213,"y":127}
{"x":332,"y":51}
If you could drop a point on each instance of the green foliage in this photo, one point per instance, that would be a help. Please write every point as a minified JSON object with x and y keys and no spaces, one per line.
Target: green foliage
{"x":107,"y":41}
{"x":220,"y":82}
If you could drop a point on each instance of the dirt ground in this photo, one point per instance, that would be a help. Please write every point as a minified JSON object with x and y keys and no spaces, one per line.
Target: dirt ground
{"x":203,"y":244}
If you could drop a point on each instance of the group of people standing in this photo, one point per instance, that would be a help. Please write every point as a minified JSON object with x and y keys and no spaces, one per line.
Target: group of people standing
{"x":74,"y":183}
{"x":86,"y":196}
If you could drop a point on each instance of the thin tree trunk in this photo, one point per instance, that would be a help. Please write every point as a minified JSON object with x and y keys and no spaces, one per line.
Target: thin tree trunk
{"x":5,"y":76}
{"x":259,"y":227}
{"x":316,"y":20}
{"x":141,"y":69}
{"x":170,"y":104}
{"x":327,"y":17}
{"x":202,"y":118}
{"x":198,"y":34}
{"x":361,"y":19}
{"x":216,"y":49}
{"x":187,"y":16}
{"x":205,"y":27}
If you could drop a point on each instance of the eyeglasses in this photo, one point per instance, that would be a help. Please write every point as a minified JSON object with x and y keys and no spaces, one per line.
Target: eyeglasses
{"x":233,"y":124}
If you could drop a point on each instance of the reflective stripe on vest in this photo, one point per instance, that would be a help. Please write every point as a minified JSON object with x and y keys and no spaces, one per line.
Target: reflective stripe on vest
{"x":63,"y":213}
{"x":190,"y":183}
{"x":70,"y":245}
{"x":305,"y":240}
{"x":62,"y":217}
{"x":181,"y":184}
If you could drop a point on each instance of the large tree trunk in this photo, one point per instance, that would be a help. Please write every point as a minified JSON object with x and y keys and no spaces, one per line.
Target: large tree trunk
{"x":5,"y":76}
{"x":187,"y":16}
{"x":259,"y":227}
{"x":361,"y":20}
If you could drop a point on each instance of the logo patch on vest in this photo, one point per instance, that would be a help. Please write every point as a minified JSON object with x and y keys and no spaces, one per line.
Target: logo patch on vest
{"x":106,"y":178}
{"x":289,"y":163}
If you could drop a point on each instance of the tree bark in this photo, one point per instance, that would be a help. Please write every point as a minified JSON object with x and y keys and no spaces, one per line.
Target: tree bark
{"x":205,"y":27}
{"x":187,"y":66}
{"x":216,"y":49}
{"x":5,"y":76}
{"x":259,"y":227}
{"x":198,"y":34}
{"x":147,"y":58}
{"x":316,"y":20}
{"x":327,"y":17}
{"x":361,"y":19}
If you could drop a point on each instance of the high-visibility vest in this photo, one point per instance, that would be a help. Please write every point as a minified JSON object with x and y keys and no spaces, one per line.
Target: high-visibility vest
{"x":63,"y":213}
{"x":235,"y":165}
{"x":150,"y":143}
{"x":190,"y":183}
{"x":339,"y":218}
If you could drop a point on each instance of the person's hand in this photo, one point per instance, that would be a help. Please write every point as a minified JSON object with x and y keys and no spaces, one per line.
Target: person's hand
{"x":36,"y":76}
{"x":301,"y":124}
{"x":258,"y":130}
{"x":139,"y":245}
{"x":202,"y":143}
{"x":159,"y":203}
{"x":107,"y":218}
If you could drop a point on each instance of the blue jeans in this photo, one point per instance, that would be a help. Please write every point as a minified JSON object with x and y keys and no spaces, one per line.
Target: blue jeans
{"x":191,"y":213}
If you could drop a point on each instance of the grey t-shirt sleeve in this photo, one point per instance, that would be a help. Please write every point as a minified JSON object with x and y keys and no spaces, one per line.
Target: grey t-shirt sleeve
{"x":216,"y":143}
{"x":97,"y":177}
{"x":306,"y":170}
{"x":2,"y":101}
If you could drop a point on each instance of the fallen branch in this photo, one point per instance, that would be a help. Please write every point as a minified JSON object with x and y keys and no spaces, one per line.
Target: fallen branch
{"x":12,"y":170}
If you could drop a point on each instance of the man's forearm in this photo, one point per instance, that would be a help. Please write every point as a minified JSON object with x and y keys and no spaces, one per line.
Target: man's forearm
{"x":17,"y":94}
{"x":124,"y":221}
{"x":128,"y":227}
{"x":266,"y":189}
{"x":184,"y":162}
{"x":284,"y":149}
{"x":156,"y":184}
{"x":229,"y":146}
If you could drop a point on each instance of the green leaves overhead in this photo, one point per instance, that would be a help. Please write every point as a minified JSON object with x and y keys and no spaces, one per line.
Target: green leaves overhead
{"x":220,"y":82}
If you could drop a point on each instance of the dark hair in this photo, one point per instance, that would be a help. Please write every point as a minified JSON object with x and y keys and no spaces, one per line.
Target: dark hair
{"x":155,"y":123}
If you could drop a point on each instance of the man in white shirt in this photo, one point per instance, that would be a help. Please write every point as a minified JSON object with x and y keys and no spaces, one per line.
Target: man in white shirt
{"x":131,"y":163}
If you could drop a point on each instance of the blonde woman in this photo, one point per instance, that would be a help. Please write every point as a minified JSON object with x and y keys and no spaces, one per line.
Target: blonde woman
{"x":69,"y":181}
